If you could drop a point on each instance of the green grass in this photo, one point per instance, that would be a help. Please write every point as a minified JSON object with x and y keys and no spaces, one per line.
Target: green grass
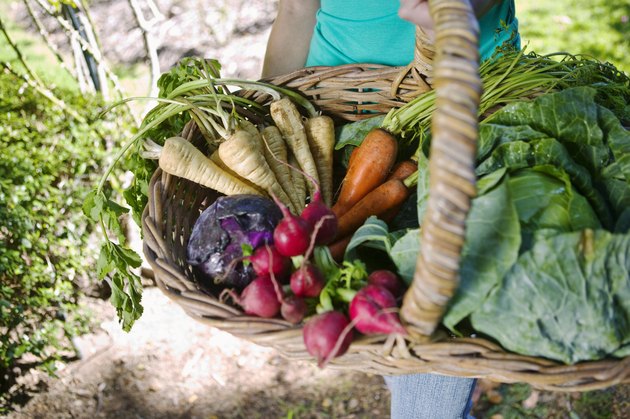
{"x":133,"y":79}
{"x":37,"y":55}
{"x":509,"y":401}
{"x":599,"y":28}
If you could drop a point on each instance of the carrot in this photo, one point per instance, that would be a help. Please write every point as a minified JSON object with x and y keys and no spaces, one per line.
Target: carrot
{"x":320,"y":133}
{"x":377,"y":202}
{"x":275,"y":150}
{"x":180,"y":158}
{"x":298,"y":180}
{"x":371,"y":163}
{"x":402,"y":170}
{"x":244,"y":155}
{"x":289,"y":121}
{"x":338,"y":247}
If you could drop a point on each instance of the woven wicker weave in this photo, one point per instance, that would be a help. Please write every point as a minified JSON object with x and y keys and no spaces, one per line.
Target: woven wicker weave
{"x":346,"y":92}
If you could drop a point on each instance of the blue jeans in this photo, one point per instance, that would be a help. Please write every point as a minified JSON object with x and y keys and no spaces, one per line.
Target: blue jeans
{"x":429,"y":396}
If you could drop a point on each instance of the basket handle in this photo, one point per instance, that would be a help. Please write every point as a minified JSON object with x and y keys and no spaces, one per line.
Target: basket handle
{"x":454,"y":130}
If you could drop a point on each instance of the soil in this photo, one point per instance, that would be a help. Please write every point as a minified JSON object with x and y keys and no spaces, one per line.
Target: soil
{"x":171,"y":366}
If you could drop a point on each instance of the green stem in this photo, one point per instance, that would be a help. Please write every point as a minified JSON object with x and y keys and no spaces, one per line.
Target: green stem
{"x":270,"y":89}
{"x":411,"y":180}
{"x":164,"y":116}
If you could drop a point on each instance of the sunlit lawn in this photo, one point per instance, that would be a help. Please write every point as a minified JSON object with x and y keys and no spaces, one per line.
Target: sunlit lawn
{"x":599,"y":28}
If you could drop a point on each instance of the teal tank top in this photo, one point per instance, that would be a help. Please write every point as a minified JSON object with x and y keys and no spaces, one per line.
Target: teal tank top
{"x":370,"y":31}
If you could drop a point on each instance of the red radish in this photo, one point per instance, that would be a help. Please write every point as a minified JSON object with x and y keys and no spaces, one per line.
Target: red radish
{"x":386,"y":279}
{"x":293,"y":309}
{"x":259,"y":298}
{"x":369,"y":311}
{"x":316,"y":212}
{"x":267,"y":260}
{"x":326,"y":336}
{"x":292,"y":234}
{"x":307,"y":281}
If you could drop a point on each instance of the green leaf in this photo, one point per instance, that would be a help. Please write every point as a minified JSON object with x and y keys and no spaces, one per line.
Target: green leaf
{"x":491,"y":248}
{"x":125,"y":257}
{"x":545,"y":198}
{"x":93,"y":205}
{"x":404,"y":253}
{"x":354,"y":133}
{"x":373,"y":233}
{"x":126,"y":297}
{"x":422,"y":187}
{"x":567,"y":299}
{"x":105,"y":263}
{"x":547,"y":152}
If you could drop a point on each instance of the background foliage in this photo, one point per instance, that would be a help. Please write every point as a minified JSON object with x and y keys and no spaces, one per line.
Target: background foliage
{"x":48,"y":163}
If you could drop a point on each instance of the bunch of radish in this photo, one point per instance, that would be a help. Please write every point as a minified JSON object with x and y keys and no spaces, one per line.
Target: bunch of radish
{"x":281,"y":289}
{"x":293,"y":236}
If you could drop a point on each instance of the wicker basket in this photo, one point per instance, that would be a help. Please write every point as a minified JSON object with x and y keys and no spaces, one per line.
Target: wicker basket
{"x":348,"y":93}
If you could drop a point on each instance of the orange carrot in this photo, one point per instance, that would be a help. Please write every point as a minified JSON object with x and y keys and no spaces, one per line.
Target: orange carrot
{"x":377,"y":202}
{"x":403,"y":170}
{"x":338,"y":248}
{"x":371,"y":163}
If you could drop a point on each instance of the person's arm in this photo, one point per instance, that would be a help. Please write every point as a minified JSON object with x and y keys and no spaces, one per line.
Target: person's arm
{"x":417,"y":11}
{"x":290,"y":37}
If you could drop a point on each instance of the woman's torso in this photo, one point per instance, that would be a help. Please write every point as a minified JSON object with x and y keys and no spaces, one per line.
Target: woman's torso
{"x":370,"y":31}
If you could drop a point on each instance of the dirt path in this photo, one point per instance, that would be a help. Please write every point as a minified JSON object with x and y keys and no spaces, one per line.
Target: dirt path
{"x":170,"y":366}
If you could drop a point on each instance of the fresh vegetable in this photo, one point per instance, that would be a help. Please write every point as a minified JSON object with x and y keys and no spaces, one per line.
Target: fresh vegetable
{"x":293,"y":309}
{"x":376,"y":202}
{"x":267,"y":260}
{"x":327,"y":335}
{"x":275,"y":150}
{"x":320,"y":133}
{"x":307,"y":281}
{"x":292,"y":235}
{"x":223,"y":229}
{"x":180,"y":158}
{"x":370,"y":166}
{"x":322,"y":220}
{"x":244,"y":154}
{"x":557,"y":194}
{"x":386,"y":279}
{"x":402,"y":170}
{"x":259,"y":298}
{"x":289,"y":121}
{"x":371,"y":311}
{"x":299,"y":182}
{"x":216,"y":159}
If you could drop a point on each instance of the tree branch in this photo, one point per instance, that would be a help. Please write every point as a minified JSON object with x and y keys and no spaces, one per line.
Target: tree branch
{"x":71,"y":32}
{"x":46,"y":37}
{"x":149,"y":46}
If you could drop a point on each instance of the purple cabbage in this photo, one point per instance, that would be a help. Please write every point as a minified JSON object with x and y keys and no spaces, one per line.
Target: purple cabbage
{"x":218,"y":237}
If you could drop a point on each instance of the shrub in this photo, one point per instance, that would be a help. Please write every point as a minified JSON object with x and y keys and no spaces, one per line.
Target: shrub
{"x":48,"y":164}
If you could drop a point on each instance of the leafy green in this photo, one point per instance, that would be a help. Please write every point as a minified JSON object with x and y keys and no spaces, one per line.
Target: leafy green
{"x":491,"y":247}
{"x":572,"y":302}
{"x":404,"y":253}
{"x":354,"y":133}
{"x":342,"y":281}
{"x":547,"y":235}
